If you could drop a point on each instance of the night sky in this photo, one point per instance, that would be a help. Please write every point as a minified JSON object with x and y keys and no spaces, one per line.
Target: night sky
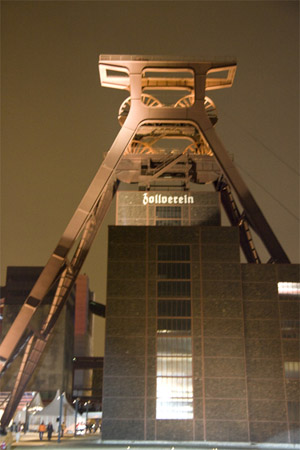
{"x":57,"y":121}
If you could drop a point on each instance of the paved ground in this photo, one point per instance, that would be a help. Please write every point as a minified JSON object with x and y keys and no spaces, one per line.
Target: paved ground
{"x":31,"y":441}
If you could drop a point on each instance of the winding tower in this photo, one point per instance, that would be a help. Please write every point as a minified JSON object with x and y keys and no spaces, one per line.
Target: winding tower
{"x":167,"y":140}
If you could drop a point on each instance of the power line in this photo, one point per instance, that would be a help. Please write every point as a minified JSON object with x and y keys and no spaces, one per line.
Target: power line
{"x":255,"y":138}
{"x":269,"y":193}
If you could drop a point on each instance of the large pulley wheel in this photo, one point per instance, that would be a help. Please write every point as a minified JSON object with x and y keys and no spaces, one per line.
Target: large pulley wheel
{"x":200,"y":148}
{"x":209,"y":106}
{"x":137,"y":147}
{"x":147,"y":99}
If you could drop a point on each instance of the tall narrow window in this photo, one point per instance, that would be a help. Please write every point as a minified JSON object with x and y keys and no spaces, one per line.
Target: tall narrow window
{"x":168,"y":215}
{"x":174,"y":383}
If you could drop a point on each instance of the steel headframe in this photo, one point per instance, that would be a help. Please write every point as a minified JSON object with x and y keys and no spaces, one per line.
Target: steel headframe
{"x":137,"y":74}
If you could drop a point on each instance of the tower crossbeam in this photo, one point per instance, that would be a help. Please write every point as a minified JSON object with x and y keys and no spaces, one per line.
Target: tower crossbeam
{"x":142,"y":152}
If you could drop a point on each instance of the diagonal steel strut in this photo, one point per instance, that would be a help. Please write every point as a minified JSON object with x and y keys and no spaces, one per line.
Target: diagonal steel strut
{"x":37,"y":343}
{"x":134,"y":75}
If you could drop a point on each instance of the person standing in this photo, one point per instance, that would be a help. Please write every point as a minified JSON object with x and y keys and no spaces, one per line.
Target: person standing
{"x":42,"y":429}
{"x":18,"y":431}
{"x":49,"y":430}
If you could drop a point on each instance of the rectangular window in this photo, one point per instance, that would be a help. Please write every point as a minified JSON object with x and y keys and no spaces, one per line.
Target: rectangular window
{"x":168,"y":223}
{"x":292,"y":369}
{"x":174,"y":408}
{"x":168,"y":212}
{"x":173,"y":289}
{"x":288,"y":291}
{"x":175,"y":386}
{"x":290,"y":329}
{"x":174,"y":326}
{"x":173,"y":252}
{"x":174,"y":368}
{"x":170,"y":346}
{"x":174,"y":308}
{"x":173,"y":270}
{"x":168,"y":215}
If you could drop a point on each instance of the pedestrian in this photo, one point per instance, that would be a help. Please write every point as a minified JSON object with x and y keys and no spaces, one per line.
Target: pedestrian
{"x":63,"y":427}
{"x":18,"y":431}
{"x":49,"y":430}
{"x":42,"y":429}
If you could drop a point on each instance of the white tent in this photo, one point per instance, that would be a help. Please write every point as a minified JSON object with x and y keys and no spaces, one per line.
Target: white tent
{"x":35,"y":405}
{"x":51,"y":414}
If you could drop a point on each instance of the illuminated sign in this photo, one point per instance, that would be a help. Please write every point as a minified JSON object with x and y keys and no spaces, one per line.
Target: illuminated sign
{"x":160,"y":199}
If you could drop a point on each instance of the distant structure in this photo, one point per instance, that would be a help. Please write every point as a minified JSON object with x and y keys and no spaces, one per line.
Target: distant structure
{"x":87,"y":369}
{"x":71,"y":337}
{"x":185,"y":350}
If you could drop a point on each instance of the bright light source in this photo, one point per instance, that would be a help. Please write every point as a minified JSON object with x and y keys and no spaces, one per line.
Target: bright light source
{"x":286,"y":288}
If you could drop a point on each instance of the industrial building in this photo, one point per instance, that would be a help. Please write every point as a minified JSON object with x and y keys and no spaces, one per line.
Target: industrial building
{"x":72,"y":336}
{"x":199,"y":346}
{"x":202,"y":336}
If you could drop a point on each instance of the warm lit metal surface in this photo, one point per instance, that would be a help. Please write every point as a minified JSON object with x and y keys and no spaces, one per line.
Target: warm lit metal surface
{"x":37,"y":342}
{"x":137,"y":70}
{"x":145,"y":121}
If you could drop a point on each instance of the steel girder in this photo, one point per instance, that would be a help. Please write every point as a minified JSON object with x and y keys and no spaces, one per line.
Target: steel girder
{"x":38,"y":340}
{"x":135,"y":73}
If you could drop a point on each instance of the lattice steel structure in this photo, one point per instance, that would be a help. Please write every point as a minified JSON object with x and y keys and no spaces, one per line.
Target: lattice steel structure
{"x":167,"y":104}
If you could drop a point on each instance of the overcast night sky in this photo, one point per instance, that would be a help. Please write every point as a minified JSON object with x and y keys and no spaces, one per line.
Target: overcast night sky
{"x":57,"y":121}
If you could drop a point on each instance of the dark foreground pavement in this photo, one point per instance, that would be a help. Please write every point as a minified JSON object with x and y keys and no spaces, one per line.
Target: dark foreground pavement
{"x":31,"y":441}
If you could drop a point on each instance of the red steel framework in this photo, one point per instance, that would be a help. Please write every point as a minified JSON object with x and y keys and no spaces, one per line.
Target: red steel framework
{"x":135,"y":158}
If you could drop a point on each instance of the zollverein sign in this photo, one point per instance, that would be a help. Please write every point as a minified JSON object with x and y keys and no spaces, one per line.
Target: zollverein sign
{"x":160,"y":199}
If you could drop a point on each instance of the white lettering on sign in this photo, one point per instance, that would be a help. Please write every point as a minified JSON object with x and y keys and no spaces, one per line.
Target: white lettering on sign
{"x":159,"y":199}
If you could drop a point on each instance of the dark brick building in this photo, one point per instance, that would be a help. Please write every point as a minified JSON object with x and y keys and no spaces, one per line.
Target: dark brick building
{"x":71,"y":335}
{"x":199,"y":346}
